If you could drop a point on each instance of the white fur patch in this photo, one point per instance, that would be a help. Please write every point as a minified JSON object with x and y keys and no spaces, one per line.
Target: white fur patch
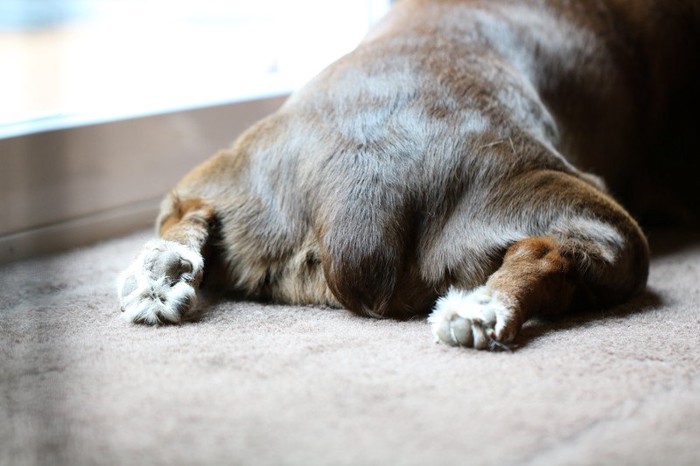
{"x":600,"y":236}
{"x":160,"y":285}
{"x":477,"y":319}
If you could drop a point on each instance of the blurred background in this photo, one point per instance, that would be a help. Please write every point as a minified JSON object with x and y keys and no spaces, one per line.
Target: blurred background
{"x":85,"y":60}
{"x":105,"y":104}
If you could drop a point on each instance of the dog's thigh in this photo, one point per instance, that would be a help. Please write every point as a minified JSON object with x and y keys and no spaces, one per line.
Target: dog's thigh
{"x":591,"y":254}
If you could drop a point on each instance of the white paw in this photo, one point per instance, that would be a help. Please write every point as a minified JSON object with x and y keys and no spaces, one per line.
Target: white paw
{"x":160,"y":285}
{"x":476,"y":318}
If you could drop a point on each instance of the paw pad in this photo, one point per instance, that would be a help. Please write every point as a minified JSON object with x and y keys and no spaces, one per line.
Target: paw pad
{"x":160,"y":285}
{"x":475,"y":319}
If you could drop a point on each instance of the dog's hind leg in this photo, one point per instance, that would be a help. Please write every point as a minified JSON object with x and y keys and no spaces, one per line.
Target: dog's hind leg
{"x":590,"y":255}
{"x":161,"y":285}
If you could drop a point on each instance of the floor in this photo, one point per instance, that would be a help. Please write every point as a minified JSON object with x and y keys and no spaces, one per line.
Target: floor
{"x":257,"y":384}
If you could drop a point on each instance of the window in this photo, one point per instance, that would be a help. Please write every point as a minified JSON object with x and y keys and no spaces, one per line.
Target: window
{"x":76,"y":61}
{"x":107,"y":103}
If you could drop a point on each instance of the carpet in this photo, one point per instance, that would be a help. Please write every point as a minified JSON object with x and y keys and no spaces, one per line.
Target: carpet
{"x":259,"y":384}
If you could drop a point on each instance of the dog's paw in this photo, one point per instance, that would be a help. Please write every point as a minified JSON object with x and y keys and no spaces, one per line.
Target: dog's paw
{"x":477,"y":319}
{"x":160,"y":285}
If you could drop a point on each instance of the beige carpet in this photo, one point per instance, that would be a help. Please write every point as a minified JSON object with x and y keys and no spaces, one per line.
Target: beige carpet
{"x":253,"y":384}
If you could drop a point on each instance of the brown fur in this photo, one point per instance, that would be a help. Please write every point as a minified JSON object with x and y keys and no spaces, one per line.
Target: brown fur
{"x":430,"y":158}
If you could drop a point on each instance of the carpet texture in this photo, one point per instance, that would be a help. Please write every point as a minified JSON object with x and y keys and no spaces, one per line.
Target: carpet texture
{"x":255,"y":384}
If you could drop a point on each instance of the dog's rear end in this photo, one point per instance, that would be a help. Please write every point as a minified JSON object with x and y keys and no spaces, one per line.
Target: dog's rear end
{"x":427,"y":165}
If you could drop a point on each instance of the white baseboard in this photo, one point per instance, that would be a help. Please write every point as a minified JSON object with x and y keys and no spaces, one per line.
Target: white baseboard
{"x":78,"y":232}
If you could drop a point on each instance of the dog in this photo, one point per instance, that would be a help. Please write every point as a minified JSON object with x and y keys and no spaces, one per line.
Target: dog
{"x":441,"y":168}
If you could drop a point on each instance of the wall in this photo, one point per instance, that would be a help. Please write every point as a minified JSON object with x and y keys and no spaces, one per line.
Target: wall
{"x":65,"y":188}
